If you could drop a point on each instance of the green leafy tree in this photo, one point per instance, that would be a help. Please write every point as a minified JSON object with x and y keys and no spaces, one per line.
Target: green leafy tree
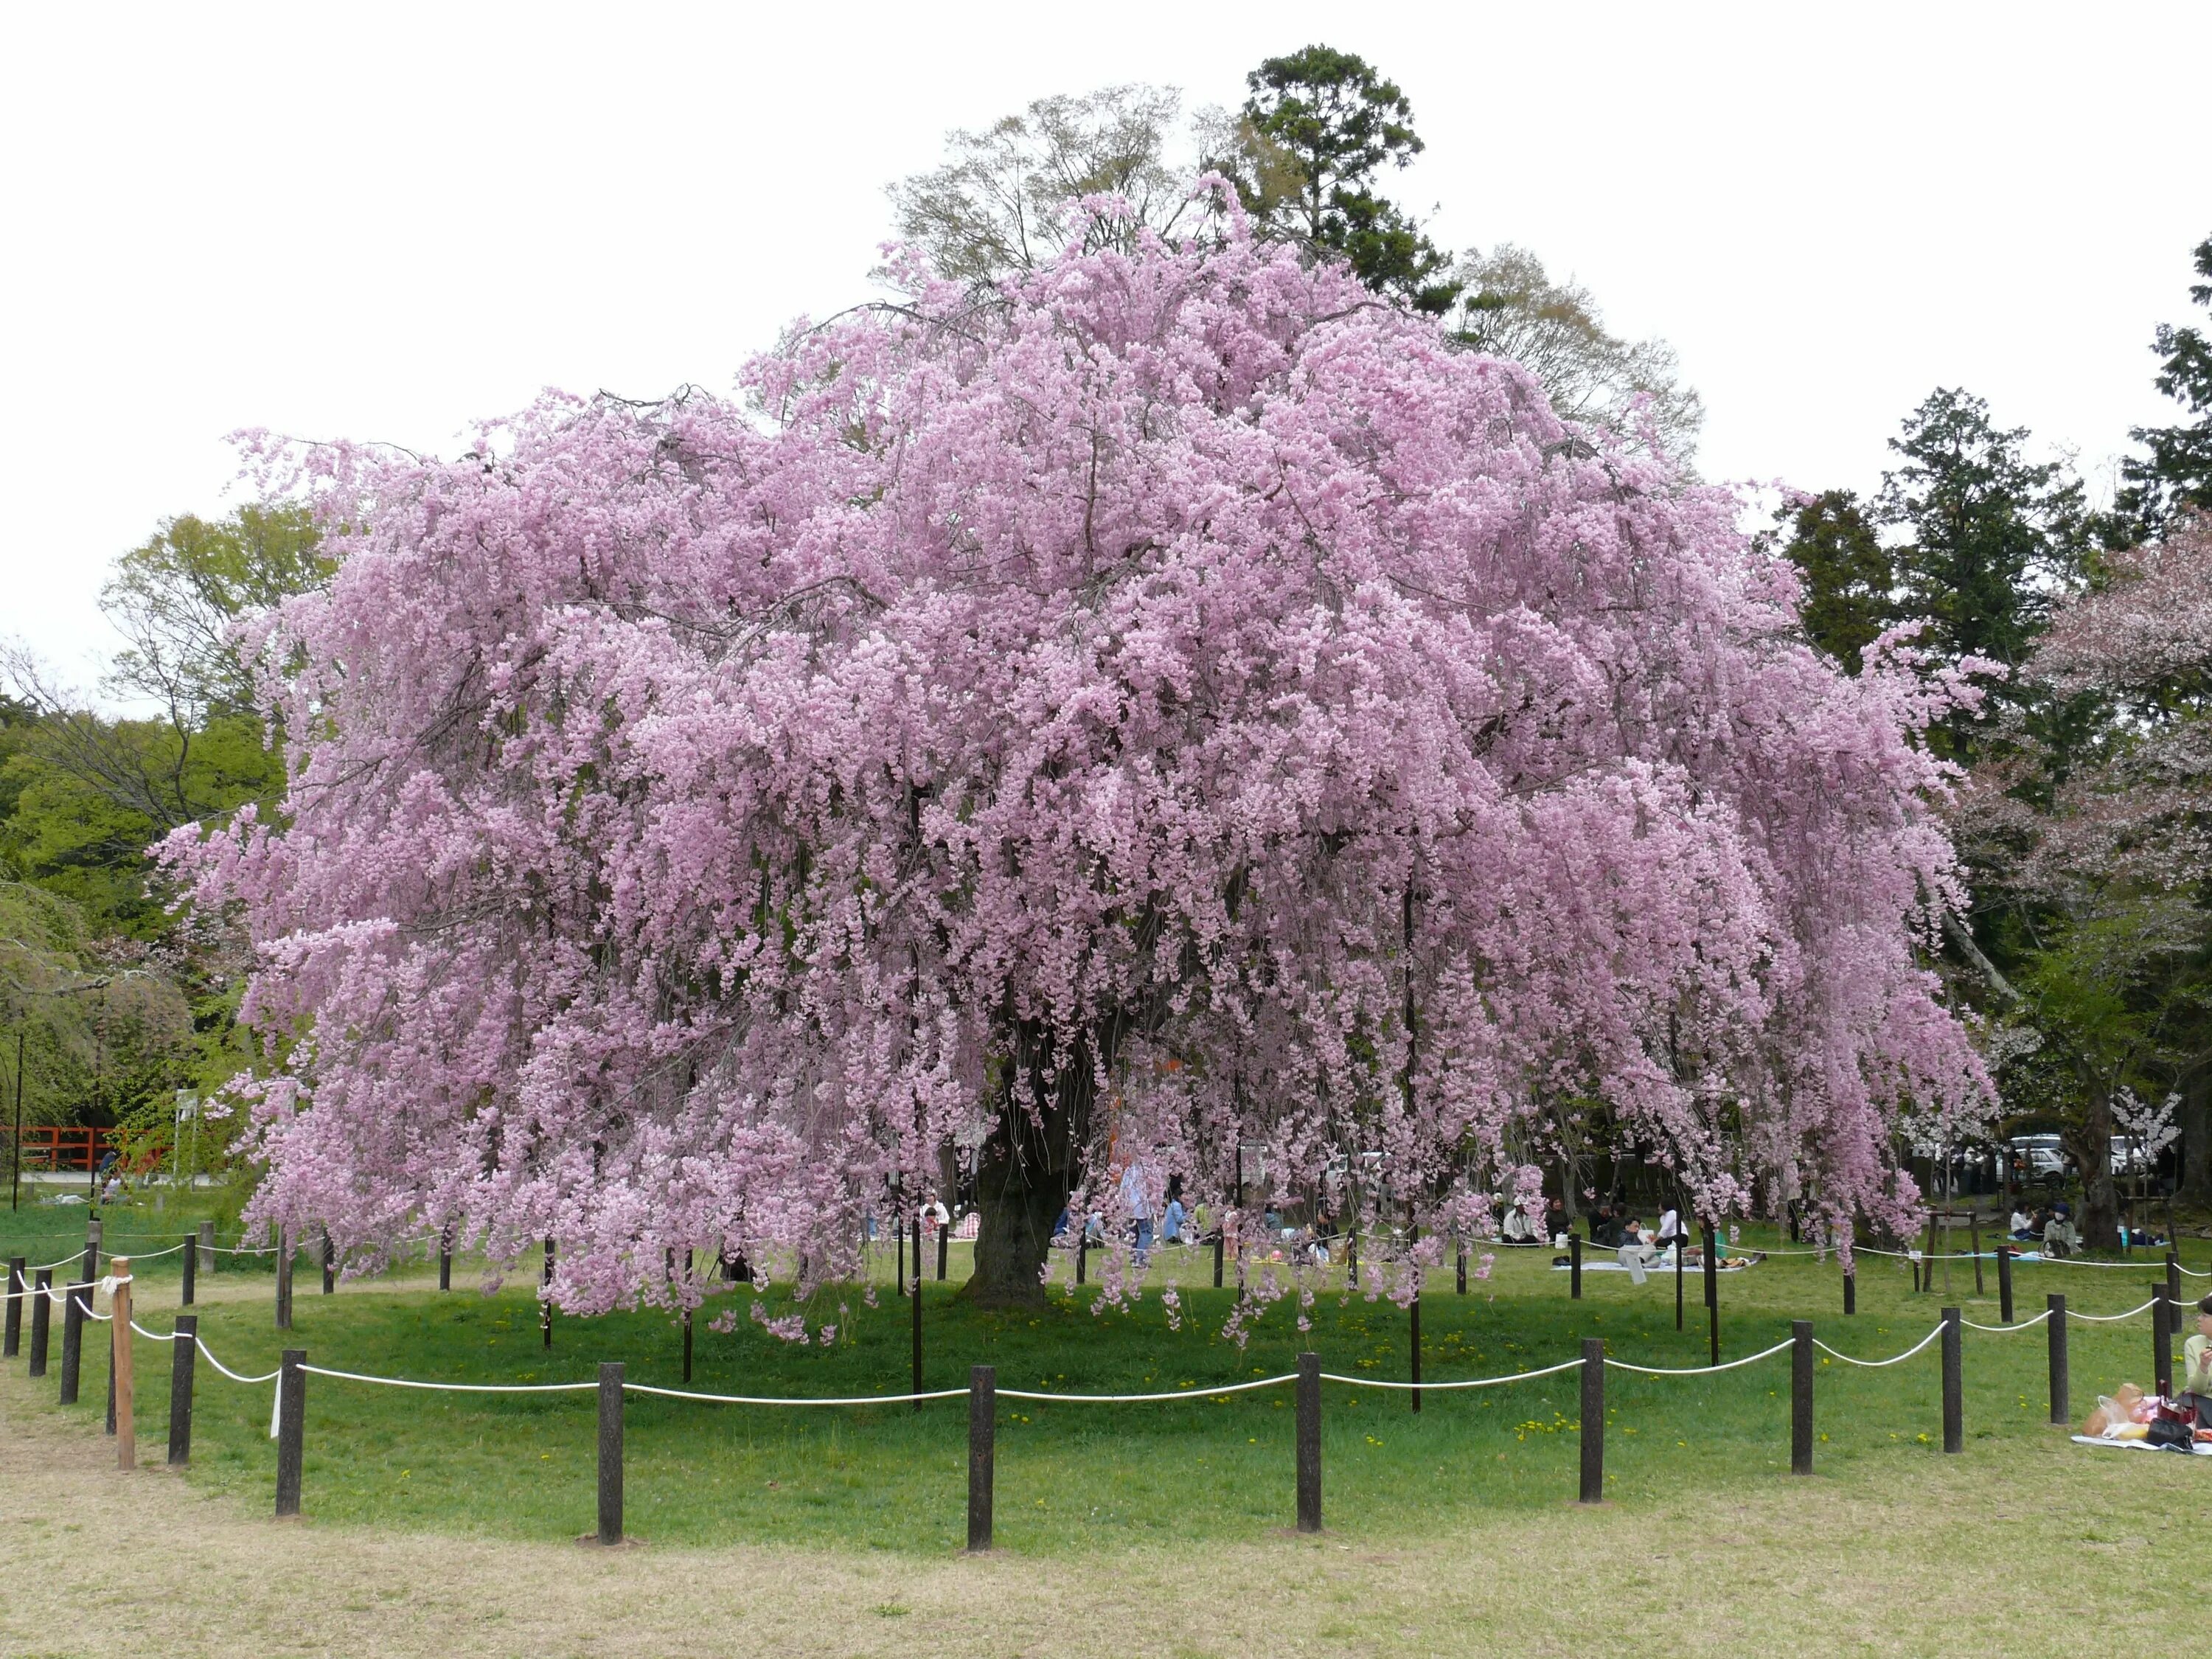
{"x":1319,"y":127}
{"x":2176,"y":478}
{"x":1848,"y":576}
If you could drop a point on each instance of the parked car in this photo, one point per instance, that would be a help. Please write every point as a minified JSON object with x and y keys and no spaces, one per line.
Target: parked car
{"x":2036,"y":1157}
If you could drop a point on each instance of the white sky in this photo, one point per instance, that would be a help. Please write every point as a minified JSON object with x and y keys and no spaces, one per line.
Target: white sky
{"x":381,"y":222}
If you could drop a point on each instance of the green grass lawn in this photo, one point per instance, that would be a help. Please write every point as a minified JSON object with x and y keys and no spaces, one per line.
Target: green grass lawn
{"x":1070,"y":1476}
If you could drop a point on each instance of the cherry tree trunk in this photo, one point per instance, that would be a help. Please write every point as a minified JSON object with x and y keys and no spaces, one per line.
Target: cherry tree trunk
{"x":2100,"y":1199}
{"x":2196,"y":1138}
{"x":1023,"y":1175}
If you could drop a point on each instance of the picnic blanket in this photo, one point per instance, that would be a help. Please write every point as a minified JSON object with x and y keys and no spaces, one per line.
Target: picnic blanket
{"x":1654,"y":1269}
{"x":2140,"y":1445}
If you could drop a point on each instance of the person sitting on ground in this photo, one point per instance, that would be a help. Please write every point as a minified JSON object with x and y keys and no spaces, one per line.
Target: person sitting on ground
{"x":1606,"y":1230}
{"x":2060,"y":1236}
{"x":1171,"y":1221}
{"x":2023,"y":1224}
{"x":1670,"y":1228}
{"x":1555,"y":1222}
{"x":2194,"y":1396}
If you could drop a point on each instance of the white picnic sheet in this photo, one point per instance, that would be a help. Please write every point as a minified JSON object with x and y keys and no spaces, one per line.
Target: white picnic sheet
{"x":2200,"y":1450}
{"x":1652,"y":1269}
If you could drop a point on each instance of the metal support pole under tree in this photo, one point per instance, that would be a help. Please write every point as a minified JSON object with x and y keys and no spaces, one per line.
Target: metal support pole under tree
{"x":1801,"y":1397}
{"x":1574,"y":1267}
{"x":1414,"y":1393}
{"x":291,"y":1428}
{"x":900,"y":1234}
{"x":74,"y":1301}
{"x":1851,"y":1290}
{"x":1974,"y":1243}
{"x":982,"y":1432}
{"x":284,"y":1278}
{"x":1592,"y":1428}
{"x":183,"y":1361}
{"x":2161,"y":1341}
{"x":546,"y":1298}
{"x":1220,"y":1248}
{"x":944,"y":1243}
{"x":2004,"y":1284}
{"x":2055,"y":1328}
{"x":329,"y":1265}
{"x":1954,"y":1433}
{"x":446,"y":1258}
{"x":191,"y":1257}
{"x":42,"y":1305}
{"x":1308,"y":1443}
{"x":1680,"y":1239}
{"x":917,"y":1307}
{"x":122,"y":1376}
{"x":1462,"y":1266}
{"x":13,"y":1341}
{"x":610,"y":1452}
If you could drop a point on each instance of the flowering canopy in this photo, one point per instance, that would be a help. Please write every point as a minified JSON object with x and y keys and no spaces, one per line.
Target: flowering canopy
{"x":1185,"y":705}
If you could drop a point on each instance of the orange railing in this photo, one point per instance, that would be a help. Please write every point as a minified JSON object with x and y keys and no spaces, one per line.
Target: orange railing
{"x":60,"y":1147}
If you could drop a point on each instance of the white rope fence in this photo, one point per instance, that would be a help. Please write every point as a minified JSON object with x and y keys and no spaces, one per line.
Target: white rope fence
{"x":1876,"y":1364}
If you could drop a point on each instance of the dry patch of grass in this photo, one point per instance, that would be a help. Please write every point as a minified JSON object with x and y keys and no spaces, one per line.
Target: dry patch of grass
{"x":2016,"y":1548}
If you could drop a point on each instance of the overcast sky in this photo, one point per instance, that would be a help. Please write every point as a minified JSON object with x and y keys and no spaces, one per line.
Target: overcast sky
{"x":380,"y":222}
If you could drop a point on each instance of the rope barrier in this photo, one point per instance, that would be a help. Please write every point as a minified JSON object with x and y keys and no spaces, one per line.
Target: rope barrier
{"x":456,"y":1388}
{"x":749,"y":1400}
{"x":1876,"y":1364}
{"x":208,"y":1354}
{"x":1193,"y":1392}
{"x":1702,"y":1370}
{"x":2108,"y":1319}
{"x":2025,"y":1324}
{"x":1470,"y":1382}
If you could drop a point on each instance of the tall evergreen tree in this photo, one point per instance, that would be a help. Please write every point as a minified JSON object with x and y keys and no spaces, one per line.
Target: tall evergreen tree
{"x":2176,"y":478}
{"x":1319,"y":128}
{"x":1848,"y":574}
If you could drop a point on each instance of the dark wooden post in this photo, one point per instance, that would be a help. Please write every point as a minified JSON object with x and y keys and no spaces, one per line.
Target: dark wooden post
{"x":2173,"y":1287}
{"x":1974,"y":1243}
{"x":192,"y":1262}
{"x":1680,"y":1239}
{"x":1801,"y":1397}
{"x":284,"y":1278}
{"x":2056,"y":1332}
{"x":1928,"y":1257}
{"x":42,"y":1308}
{"x":982,"y":1431}
{"x":1462,"y":1266}
{"x":1414,"y":1395}
{"x":1954,"y":1433}
{"x":1082,"y":1251}
{"x":1351,"y":1257}
{"x":184,"y":1359}
{"x":92,"y":1233}
{"x":291,"y":1410}
{"x":1592,"y":1423}
{"x":108,"y":1426}
{"x":917,"y":1309}
{"x":2004,"y":1283}
{"x":122,"y":1402}
{"x":1220,"y":1250}
{"x":1308,"y":1443}
{"x":17,"y":1287}
{"x":207,"y":1247}
{"x":610,"y":1452}
{"x":446,"y":1258}
{"x":2161,"y":1341}
{"x":1713,"y":1293}
{"x":1575,"y":1265}
{"x":74,"y":1301}
{"x":1851,"y":1289}
{"x":944,"y":1243}
{"x":546,"y":1298}
{"x":900,"y":1234}
{"x":329,"y":1265}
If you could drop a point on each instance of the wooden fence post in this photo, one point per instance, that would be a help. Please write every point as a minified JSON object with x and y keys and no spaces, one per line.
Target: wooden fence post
{"x":610,"y":1452}
{"x":1574,"y":1267}
{"x":1308,"y":1437}
{"x":2056,"y":1332}
{"x":2004,"y":1283}
{"x":2161,"y":1342}
{"x":1801,"y":1397}
{"x":1954,"y":1433}
{"x":42,"y":1308}
{"x":191,"y":1262}
{"x":73,"y":1305}
{"x":183,"y":1361}
{"x":982,"y":1431}
{"x":207,"y":1247}
{"x":92,"y":1236}
{"x":1462,"y":1266}
{"x":1220,"y":1248}
{"x":1592,"y":1431}
{"x":944,"y":1243}
{"x":284,"y":1278}
{"x":16,"y":1288}
{"x":916,"y":1309}
{"x":1351,"y":1254}
{"x":2173,"y":1288}
{"x":291,"y":1428}
{"x":120,"y":1371}
{"x":1974,"y":1243}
